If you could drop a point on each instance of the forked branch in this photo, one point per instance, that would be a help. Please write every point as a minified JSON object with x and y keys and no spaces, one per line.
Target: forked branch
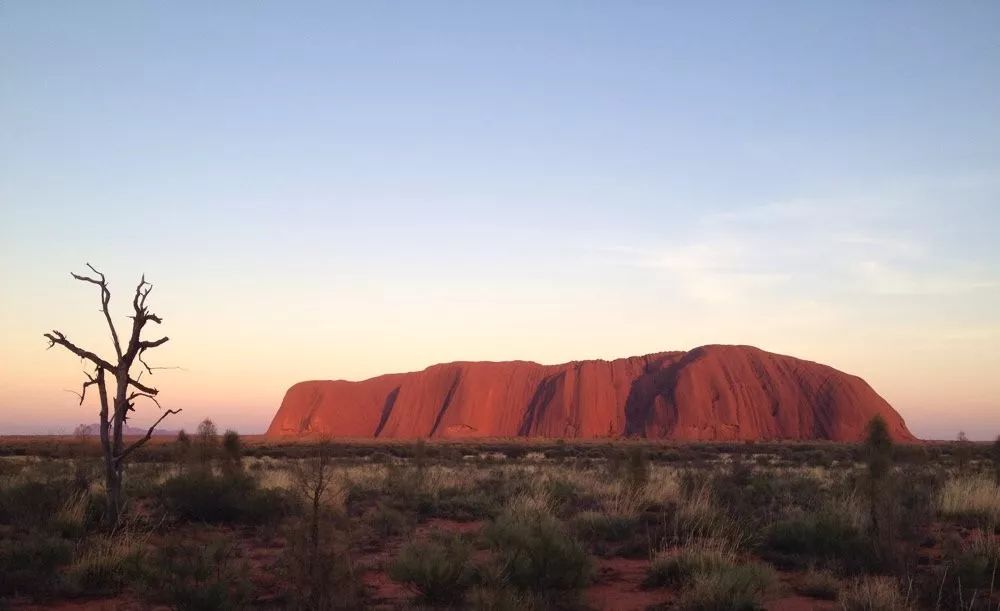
{"x":105,"y":301}
{"x":142,"y":441}
{"x":58,"y":339}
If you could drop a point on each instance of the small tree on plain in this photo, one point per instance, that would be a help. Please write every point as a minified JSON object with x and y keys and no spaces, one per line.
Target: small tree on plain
{"x":182,"y":449}
{"x":232,"y":450}
{"x":127,"y":388}
{"x":877,"y":451}
{"x":318,"y":556}
{"x":208,"y":442}
{"x":963,"y":451}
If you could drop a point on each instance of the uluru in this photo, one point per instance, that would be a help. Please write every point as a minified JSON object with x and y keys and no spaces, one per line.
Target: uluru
{"x":716,"y":392}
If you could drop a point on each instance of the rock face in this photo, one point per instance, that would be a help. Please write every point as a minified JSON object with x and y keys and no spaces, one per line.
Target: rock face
{"x":709,"y":393}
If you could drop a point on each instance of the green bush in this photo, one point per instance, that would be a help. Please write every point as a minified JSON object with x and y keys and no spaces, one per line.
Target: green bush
{"x":537,"y":553}
{"x":204,"y":497}
{"x":733,"y":588}
{"x":318,"y":569}
{"x":462,"y":504}
{"x":31,"y":503}
{"x":682,"y":567}
{"x":596,"y":526}
{"x":438,"y":569}
{"x":823,"y":537}
{"x":194,"y":576}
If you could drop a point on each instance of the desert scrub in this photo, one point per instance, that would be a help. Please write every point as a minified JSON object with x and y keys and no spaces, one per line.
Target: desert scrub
{"x":106,"y":564}
{"x":387,"y":521}
{"x":318,"y":568}
{"x":198,"y":576}
{"x":678,"y":567}
{"x":971,"y":566}
{"x":730,"y":588}
{"x":972,"y":497}
{"x":825,"y":538}
{"x":29,"y":503}
{"x":201,"y":496}
{"x":29,"y":566}
{"x":536,"y":551}
{"x":597,"y":526}
{"x":79,"y":512}
{"x":437,"y":569}
{"x":874,"y":594}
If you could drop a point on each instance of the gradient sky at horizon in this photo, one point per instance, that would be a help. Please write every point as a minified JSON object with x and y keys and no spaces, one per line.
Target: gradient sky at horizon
{"x":327,"y":190}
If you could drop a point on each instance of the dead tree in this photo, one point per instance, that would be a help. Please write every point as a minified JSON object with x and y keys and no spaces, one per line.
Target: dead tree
{"x":126,"y":390}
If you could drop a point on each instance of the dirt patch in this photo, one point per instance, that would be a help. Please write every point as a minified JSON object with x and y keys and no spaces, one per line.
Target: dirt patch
{"x":618,"y":585}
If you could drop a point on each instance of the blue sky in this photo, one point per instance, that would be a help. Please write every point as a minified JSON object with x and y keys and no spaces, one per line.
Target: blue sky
{"x":358,"y":188}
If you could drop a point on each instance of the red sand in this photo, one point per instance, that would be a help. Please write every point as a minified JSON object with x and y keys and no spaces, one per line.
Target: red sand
{"x":723,"y":393}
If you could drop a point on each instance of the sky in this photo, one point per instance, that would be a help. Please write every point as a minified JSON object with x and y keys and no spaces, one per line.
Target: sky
{"x":338,"y":190}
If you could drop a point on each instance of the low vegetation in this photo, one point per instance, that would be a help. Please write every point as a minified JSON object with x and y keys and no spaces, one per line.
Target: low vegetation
{"x":212,"y":521}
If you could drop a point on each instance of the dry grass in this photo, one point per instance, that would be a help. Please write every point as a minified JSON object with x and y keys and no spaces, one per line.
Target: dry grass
{"x":874,"y":594}
{"x":971,"y":497}
{"x":108,"y":562}
{"x":72,"y":516}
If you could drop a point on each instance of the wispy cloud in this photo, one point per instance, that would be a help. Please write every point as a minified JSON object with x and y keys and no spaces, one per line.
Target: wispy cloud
{"x":806,"y":249}
{"x":884,"y":279}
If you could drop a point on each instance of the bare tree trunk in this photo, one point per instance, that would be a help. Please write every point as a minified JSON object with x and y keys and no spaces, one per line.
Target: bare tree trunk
{"x":113,"y":416}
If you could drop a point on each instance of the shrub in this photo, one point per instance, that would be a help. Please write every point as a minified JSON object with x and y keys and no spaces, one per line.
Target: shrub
{"x":973,"y":566}
{"x":730,"y":588}
{"x":232,"y":447}
{"x":31,"y":503}
{"x":318,"y":568}
{"x":636,"y":469}
{"x":438,"y":569}
{"x":182,"y":448}
{"x":680,"y":568}
{"x":459,"y":504}
{"x":201,"y":496}
{"x":106,"y":564}
{"x":208,"y":441}
{"x":29,"y":566}
{"x":564,"y":493}
{"x":537,"y":552}
{"x":873,"y":594}
{"x":195,"y":576}
{"x":760,"y":497}
{"x":824,"y":536}
{"x":387,"y":521}
{"x":819,"y":584}
{"x":596,"y":526}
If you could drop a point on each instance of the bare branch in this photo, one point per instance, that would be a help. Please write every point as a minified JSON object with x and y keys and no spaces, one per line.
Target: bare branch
{"x":153,"y":344}
{"x":140,"y":442}
{"x":56,"y":338}
{"x":150,"y":369}
{"x":105,"y":300}
{"x":143,"y":387}
{"x":91,"y":380}
{"x":136,"y":395}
